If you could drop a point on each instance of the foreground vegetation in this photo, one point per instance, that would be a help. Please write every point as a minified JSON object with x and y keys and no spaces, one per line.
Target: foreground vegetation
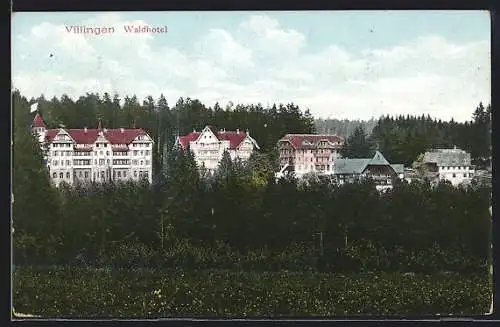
{"x":70,"y":292}
{"x":351,"y":244}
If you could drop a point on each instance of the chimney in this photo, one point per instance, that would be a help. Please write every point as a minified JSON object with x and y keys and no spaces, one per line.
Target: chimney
{"x":237,"y":131}
{"x":122,"y":130}
{"x":85,"y":130}
{"x":105,"y":130}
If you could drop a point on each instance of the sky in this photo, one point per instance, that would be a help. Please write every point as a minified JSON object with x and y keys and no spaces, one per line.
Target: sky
{"x":338,"y":64}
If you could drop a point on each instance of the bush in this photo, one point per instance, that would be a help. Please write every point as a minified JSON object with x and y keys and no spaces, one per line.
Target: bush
{"x":85,"y":293}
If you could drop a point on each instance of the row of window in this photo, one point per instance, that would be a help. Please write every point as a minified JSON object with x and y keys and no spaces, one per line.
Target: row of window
{"x":102,"y":162}
{"x":81,"y":153}
{"x":124,"y":162}
{"x":99,"y":145}
{"x":290,"y":151}
{"x":103,"y":174}
{"x":454,"y":167}
{"x":82,"y":162}
{"x":454,"y":175}
{"x":141,"y":145}
{"x":311,"y":167}
{"x":61,"y":145}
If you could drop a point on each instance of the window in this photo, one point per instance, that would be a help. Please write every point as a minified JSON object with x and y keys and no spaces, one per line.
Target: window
{"x":100,"y":153}
{"x":95,"y":161}
{"x":55,"y":162}
{"x":80,"y":174}
{"x":119,"y":173}
{"x":55,"y":153}
{"x":454,"y":175}
{"x":108,"y":161}
{"x":146,"y":174}
{"x":147,"y":162}
{"x":142,"y":152}
{"x":102,"y":174}
{"x":101,"y":162}
{"x":114,"y":173}
{"x":465,"y":175}
{"x":54,"y":175}
{"x":61,"y":175}
{"x":68,"y":176}
{"x":105,"y":145}
{"x":94,"y":176}
{"x":124,"y":174}
{"x":147,"y":152}
{"x":86,"y":174}
{"x":107,"y":153}
{"x":135,"y":173}
{"x":142,"y":162}
{"x":67,"y":163}
{"x":470,"y":174}
{"x":135,"y":152}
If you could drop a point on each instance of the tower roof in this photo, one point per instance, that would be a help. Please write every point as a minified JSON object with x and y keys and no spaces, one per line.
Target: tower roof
{"x":38,"y":121}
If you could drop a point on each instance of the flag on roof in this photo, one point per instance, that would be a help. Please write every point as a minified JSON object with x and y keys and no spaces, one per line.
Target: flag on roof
{"x":34,"y":107}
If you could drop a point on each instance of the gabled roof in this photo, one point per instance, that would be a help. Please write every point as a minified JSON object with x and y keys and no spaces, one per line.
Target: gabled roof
{"x":378,"y":160}
{"x":184,"y":140}
{"x":350,"y":166}
{"x":398,"y":168}
{"x":89,"y":136}
{"x":311,"y":141}
{"x":448,"y":157}
{"x":38,"y":121}
{"x":359,"y":165}
{"x":234,"y":137}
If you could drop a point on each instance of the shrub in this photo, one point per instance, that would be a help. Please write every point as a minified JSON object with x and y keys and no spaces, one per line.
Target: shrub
{"x":81,"y":293}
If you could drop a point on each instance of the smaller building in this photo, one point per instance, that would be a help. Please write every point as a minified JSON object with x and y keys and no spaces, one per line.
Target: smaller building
{"x":453,"y":165}
{"x":377,"y":168}
{"x":209,"y":145}
{"x":308,"y":153}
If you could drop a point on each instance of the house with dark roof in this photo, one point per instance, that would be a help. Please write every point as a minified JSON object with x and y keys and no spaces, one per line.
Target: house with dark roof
{"x":376,"y":168}
{"x":99,"y":154}
{"x":209,"y":145}
{"x":453,"y":165}
{"x":308,"y":153}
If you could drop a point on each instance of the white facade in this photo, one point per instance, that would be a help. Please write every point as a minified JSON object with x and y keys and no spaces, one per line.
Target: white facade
{"x":208,"y":146}
{"x":456,"y":174}
{"x":453,"y":165}
{"x":69,"y":160}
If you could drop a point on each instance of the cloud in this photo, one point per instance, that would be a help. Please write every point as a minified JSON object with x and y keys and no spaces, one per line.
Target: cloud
{"x":260,"y":61}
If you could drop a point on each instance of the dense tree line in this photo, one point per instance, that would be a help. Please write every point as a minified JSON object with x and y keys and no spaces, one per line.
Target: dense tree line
{"x":242,"y":214}
{"x":401,"y":139}
{"x":345,"y":127}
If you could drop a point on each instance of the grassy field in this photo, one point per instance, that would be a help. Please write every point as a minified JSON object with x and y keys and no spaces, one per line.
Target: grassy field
{"x":84,"y":293}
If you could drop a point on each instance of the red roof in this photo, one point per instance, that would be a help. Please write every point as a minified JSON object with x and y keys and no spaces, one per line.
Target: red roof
{"x":89,"y":136}
{"x":38,"y":121}
{"x":297,"y":140}
{"x":235,"y":138}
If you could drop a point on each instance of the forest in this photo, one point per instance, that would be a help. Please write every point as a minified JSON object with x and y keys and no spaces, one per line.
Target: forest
{"x":200,"y":210}
{"x":242,"y":219}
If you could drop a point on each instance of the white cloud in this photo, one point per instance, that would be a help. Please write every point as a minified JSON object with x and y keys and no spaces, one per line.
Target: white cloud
{"x":259,"y":62}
